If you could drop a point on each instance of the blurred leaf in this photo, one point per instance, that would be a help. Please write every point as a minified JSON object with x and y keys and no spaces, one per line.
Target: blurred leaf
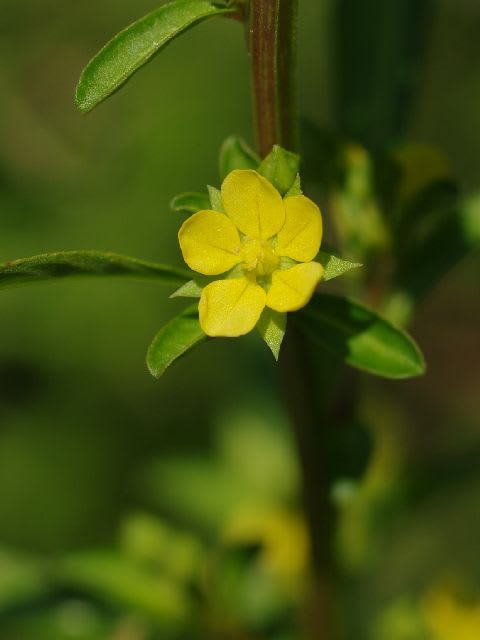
{"x":245,"y":592}
{"x":199,"y":490}
{"x":379,"y":49}
{"x":190,"y":202}
{"x":448,"y":239}
{"x":422,"y":213}
{"x":420,"y":165}
{"x":355,"y":200}
{"x":207,"y":490}
{"x":236,"y":154}
{"x":134,"y":46}
{"x":272,"y":326}
{"x":280,"y":167}
{"x":320,"y":151}
{"x":120,"y":580}
{"x":86,"y":263}
{"x":360,"y":337}
{"x":22,"y":579}
{"x":216,"y":202}
{"x":173,"y":340}
{"x":349,"y":451}
{"x":159,"y":547}
{"x":334,"y":266}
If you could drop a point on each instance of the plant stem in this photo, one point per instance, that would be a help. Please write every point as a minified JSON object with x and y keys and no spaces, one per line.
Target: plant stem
{"x":272,"y":40}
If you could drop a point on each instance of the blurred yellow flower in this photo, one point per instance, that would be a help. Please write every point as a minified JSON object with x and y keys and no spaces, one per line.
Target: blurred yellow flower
{"x":284,"y":538}
{"x":263,"y":244}
{"x":447,"y":618}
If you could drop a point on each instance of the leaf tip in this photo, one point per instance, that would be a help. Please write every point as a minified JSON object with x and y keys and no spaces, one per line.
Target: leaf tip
{"x":81,"y":101}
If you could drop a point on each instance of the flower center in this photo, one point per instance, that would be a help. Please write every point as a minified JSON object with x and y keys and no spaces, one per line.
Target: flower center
{"x":258,"y":256}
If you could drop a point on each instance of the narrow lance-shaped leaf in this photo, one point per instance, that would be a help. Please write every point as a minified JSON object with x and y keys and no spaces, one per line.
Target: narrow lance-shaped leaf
{"x":134,"y":46}
{"x":360,"y":337}
{"x":173,"y":340}
{"x":65,"y":264}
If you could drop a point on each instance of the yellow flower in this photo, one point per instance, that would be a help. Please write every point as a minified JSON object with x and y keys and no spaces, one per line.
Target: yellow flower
{"x":263,"y":244}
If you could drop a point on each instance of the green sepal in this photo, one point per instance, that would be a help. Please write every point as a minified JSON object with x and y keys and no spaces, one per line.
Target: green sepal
{"x":334,"y":266}
{"x":280,"y":167}
{"x":173,"y":340}
{"x":272,"y":326}
{"x":236,"y":154}
{"x":130,"y":49}
{"x":360,"y":337}
{"x":62,"y":264}
{"x":296,"y":188}
{"x":190,"y":202}
{"x":216,"y":202}
{"x":192,"y":288}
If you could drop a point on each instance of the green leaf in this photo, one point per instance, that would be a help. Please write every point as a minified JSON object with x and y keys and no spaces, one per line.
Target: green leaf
{"x":86,"y":263}
{"x":360,"y":337}
{"x":280,"y":167}
{"x":216,"y":202}
{"x":236,"y":154}
{"x":334,"y":266}
{"x":272,"y":326}
{"x":122,"y":582}
{"x":24,"y":579}
{"x":173,"y":340}
{"x":134,"y":46}
{"x":190,"y":202}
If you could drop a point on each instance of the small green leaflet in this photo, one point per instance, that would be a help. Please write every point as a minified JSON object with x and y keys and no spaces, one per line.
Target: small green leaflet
{"x":173,"y":340}
{"x":190,"y":202}
{"x":236,"y":154}
{"x":272,"y":326}
{"x":130,"y":49}
{"x":334,"y":266}
{"x":360,"y":337}
{"x":64,"y":264}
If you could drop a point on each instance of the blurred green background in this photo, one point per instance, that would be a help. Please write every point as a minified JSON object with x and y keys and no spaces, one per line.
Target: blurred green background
{"x":88,"y":439}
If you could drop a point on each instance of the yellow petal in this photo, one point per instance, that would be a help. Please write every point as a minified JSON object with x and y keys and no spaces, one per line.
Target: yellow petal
{"x":292,"y":288}
{"x":209,"y":242}
{"x":253,"y":204}
{"x":301,"y":235}
{"x":231,"y":307}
